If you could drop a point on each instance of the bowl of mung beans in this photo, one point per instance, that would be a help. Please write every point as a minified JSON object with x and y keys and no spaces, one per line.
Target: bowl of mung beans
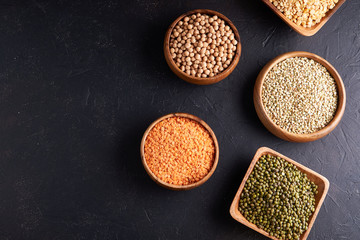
{"x":179,"y":151}
{"x":305,"y":17}
{"x":202,"y":47}
{"x":299,"y":97}
{"x":279,"y":197}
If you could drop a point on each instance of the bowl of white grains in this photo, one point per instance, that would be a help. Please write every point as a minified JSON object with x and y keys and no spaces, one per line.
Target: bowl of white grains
{"x":299,"y":97}
{"x":305,"y":17}
{"x":202,"y":47}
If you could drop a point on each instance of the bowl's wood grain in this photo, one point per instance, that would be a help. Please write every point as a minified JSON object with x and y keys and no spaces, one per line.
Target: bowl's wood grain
{"x":320,"y":181}
{"x":173,"y":186}
{"x":304,"y":30}
{"x":275,"y":129}
{"x":199,"y":80}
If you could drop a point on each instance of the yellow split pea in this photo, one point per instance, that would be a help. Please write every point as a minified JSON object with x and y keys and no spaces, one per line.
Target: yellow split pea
{"x":306,"y":13}
{"x":179,"y":151}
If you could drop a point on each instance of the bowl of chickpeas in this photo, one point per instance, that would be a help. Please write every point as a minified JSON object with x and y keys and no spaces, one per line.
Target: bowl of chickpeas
{"x":202,"y":47}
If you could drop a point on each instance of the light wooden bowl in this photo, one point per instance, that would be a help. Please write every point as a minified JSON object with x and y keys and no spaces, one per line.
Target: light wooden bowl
{"x":173,"y":186}
{"x":275,"y":129}
{"x":300,"y":29}
{"x":199,"y":80}
{"x":320,"y":181}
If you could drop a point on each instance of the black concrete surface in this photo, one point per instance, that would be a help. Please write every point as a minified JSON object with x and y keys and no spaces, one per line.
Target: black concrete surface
{"x":80,"y":81}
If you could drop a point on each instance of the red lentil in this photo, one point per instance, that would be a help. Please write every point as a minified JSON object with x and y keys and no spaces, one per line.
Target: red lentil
{"x":179,"y":151}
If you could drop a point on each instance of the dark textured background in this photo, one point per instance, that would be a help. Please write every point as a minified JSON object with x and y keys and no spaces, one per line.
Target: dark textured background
{"x":80,"y":81}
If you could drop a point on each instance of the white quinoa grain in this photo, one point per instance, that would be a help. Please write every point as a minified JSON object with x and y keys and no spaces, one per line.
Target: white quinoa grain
{"x":300,"y":95}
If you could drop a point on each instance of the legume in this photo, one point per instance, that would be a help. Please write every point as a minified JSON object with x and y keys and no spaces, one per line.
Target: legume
{"x":202,"y":46}
{"x":179,"y":151}
{"x":306,"y":13}
{"x":278,"y":198}
{"x":300,"y":95}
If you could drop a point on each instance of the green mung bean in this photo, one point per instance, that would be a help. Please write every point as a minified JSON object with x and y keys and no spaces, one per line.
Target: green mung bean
{"x":278,"y":198}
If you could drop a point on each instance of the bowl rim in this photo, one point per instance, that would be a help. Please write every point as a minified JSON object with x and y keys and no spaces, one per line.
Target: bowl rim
{"x":200,"y":80}
{"x":174,"y":186}
{"x":275,"y":129}
{"x":304,"y":30}
{"x":235,"y":213}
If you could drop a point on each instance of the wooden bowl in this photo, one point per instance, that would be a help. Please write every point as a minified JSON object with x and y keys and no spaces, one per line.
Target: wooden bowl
{"x":320,"y":181}
{"x":304,"y":30}
{"x":174,"y":186}
{"x":199,"y":80}
{"x":275,"y":129}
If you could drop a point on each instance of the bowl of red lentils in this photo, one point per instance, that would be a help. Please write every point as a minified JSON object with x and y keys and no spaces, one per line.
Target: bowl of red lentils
{"x":299,"y":97}
{"x":202,"y":47}
{"x":179,"y":151}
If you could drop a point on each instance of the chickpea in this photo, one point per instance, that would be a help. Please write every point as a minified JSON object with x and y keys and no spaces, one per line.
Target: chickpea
{"x":202,"y":45}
